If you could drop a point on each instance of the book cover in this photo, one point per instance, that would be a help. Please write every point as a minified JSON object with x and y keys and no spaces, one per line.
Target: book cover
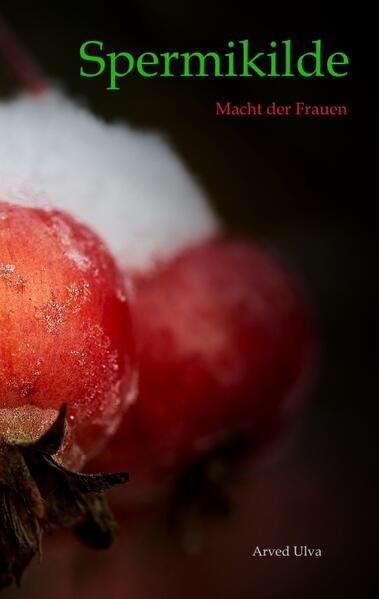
{"x":186,"y":301}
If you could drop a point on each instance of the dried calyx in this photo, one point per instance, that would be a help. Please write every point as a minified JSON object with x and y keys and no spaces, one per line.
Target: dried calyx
{"x":37,"y":494}
{"x":202,"y":490}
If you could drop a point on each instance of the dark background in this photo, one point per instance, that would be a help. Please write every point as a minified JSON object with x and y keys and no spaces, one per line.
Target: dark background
{"x":302,"y":185}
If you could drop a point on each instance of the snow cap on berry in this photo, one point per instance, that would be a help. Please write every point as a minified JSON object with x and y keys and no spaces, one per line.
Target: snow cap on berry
{"x":128,"y":185}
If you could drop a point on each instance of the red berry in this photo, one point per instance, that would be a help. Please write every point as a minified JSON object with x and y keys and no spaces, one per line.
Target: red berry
{"x":225,"y":348}
{"x":65,"y":332}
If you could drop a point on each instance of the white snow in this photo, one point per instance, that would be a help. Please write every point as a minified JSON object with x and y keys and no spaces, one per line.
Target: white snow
{"x":129,"y":185}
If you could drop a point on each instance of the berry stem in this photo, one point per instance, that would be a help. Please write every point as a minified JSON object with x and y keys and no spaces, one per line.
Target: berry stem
{"x":20,"y":61}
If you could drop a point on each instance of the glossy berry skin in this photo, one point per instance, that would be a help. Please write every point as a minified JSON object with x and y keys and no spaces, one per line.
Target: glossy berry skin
{"x":66,"y":334}
{"x":225,"y":348}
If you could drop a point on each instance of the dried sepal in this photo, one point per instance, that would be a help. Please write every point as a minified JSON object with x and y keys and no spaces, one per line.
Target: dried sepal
{"x":38,"y":494}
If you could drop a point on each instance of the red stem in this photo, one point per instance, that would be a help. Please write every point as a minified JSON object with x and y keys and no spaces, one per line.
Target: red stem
{"x":22,"y":64}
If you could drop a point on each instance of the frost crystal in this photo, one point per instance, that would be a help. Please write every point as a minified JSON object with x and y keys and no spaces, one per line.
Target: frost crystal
{"x":10,"y":277}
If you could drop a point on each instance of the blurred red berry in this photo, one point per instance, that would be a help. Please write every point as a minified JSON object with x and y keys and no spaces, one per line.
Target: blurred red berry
{"x":225,"y":347}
